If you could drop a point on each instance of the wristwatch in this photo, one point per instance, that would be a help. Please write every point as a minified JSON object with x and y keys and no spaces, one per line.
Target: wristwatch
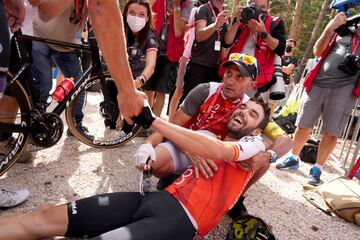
{"x":273,"y":154}
{"x":142,"y":79}
{"x":177,"y":9}
{"x":264,"y":35}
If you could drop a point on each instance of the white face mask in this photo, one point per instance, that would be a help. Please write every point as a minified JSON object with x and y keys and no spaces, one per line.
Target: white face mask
{"x":135,"y":23}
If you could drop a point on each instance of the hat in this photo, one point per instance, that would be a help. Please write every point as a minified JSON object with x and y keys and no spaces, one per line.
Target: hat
{"x":247,"y":65}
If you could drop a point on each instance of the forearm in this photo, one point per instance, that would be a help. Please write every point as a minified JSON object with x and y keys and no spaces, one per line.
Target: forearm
{"x":231,"y":33}
{"x":106,"y":19}
{"x":271,"y":42}
{"x":205,"y":33}
{"x":150,"y":63}
{"x":282,"y":145}
{"x":48,"y":9}
{"x":323,"y":41}
{"x":193,"y":142}
{"x":179,"y":24}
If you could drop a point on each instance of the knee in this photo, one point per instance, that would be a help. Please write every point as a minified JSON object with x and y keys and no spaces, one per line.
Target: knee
{"x":42,"y":213}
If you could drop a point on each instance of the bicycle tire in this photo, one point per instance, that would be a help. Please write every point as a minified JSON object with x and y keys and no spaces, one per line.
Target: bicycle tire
{"x":20,"y":140}
{"x":93,"y":119}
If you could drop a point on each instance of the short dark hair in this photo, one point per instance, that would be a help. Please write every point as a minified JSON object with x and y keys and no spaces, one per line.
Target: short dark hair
{"x":266,"y":110}
{"x":291,"y":40}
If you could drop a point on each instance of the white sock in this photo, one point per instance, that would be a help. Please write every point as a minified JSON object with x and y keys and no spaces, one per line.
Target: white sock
{"x":296,"y":156}
{"x":318,"y":166}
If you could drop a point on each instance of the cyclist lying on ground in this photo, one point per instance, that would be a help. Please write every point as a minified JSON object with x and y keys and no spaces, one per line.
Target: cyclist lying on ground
{"x":169,"y":214}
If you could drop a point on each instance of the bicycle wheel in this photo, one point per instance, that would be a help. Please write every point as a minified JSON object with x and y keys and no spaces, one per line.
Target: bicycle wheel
{"x":14,"y":113}
{"x":105,"y":128}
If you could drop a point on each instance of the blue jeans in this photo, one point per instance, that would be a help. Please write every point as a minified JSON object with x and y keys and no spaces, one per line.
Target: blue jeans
{"x":69,"y":64}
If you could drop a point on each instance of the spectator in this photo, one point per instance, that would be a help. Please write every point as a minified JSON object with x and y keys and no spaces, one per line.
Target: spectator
{"x":262,"y":38}
{"x":17,"y":11}
{"x":184,"y":59}
{"x":289,"y":62}
{"x":171,"y":17}
{"x":210,"y":28}
{"x":170,"y":214}
{"x":141,"y":40}
{"x":332,"y":88}
{"x":66,"y":59}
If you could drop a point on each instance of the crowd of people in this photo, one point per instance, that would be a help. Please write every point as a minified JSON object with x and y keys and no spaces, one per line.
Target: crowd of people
{"x":219,"y":68}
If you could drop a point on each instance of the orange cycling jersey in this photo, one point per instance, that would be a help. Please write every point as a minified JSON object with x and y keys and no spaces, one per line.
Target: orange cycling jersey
{"x":207,"y":200}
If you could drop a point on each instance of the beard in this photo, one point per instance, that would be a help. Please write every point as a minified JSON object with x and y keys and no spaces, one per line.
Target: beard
{"x":238,"y":133}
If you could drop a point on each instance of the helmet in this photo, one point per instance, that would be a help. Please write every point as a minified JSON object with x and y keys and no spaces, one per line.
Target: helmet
{"x":249,"y":228}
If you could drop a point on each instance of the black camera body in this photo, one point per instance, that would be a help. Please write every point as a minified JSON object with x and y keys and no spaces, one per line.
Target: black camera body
{"x":250,"y":12}
{"x":350,"y":65}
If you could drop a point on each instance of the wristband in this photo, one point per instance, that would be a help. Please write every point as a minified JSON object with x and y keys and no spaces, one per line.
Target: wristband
{"x":146,"y":117}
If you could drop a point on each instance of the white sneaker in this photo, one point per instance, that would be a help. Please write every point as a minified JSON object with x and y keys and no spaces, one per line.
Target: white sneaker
{"x":11,"y":199}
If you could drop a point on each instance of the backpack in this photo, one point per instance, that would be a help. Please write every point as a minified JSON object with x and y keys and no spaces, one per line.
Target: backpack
{"x":341,"y":196}
{"x":249,"y":227}
{"x":309,"y":151}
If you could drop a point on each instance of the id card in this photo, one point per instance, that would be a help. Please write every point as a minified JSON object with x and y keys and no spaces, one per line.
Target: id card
{"x":217,"y":45}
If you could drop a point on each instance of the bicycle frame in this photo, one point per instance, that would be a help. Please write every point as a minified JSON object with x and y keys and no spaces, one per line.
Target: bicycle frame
{"x":79,"y":85}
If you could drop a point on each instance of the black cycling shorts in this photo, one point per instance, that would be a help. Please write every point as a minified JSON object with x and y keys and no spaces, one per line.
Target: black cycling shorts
{"x":158,"y":215}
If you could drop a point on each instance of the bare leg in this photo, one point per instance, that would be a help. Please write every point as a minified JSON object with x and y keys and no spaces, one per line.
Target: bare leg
{"x":43,"y":222}
{"x":327,"y":145}
{"x":163,"y":166}
{"x":9,"y":105}
{"x":150,"y":95}
{"x":300,"y":138}
{"x":159,"y":103}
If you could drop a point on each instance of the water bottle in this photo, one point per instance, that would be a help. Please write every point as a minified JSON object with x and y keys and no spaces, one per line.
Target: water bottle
{"x":63,"y":89}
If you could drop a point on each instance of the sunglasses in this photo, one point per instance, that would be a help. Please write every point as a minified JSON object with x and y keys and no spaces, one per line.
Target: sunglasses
{"x":247,"y":59}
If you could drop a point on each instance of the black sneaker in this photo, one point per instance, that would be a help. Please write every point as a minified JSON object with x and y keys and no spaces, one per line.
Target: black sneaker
{"x":83,"y":129}
{"x":238,"y":210}
{"x":166,"y":181}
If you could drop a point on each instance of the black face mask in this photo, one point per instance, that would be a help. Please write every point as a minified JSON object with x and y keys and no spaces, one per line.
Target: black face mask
{"x":288,"y":49}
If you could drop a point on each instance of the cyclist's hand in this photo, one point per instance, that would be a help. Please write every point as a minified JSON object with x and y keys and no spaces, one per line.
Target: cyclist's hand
{"x":15,"y":11}
{"x":131,"y":104}
{"x":146,"y":117}
{"x":206,"y":166}
{"x":141,"y":157}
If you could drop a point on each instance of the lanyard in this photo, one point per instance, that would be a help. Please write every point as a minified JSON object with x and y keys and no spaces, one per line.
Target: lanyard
{"x":208,"y":110}
{"x":213,"y":12}
{"x":77,"y":6}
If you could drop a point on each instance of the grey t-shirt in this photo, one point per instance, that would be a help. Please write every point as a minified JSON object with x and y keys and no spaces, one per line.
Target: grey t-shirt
{"x":330,"y":76}
{"x":203,"y":52}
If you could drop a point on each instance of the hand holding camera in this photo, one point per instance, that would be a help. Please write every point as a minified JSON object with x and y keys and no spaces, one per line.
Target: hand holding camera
{"x":253,"y":16}
{"x":221,"y":18}
{"x":337,"y":21}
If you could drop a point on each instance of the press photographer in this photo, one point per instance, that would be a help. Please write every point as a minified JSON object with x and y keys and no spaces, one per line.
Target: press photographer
{"x":255,"y":32}
{"x":331,"y":91}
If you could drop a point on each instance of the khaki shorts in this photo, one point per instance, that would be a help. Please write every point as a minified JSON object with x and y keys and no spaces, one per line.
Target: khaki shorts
{"x":334,"y":104}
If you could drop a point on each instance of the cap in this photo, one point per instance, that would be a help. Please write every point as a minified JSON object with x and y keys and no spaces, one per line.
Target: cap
{"x":247,"y":65}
